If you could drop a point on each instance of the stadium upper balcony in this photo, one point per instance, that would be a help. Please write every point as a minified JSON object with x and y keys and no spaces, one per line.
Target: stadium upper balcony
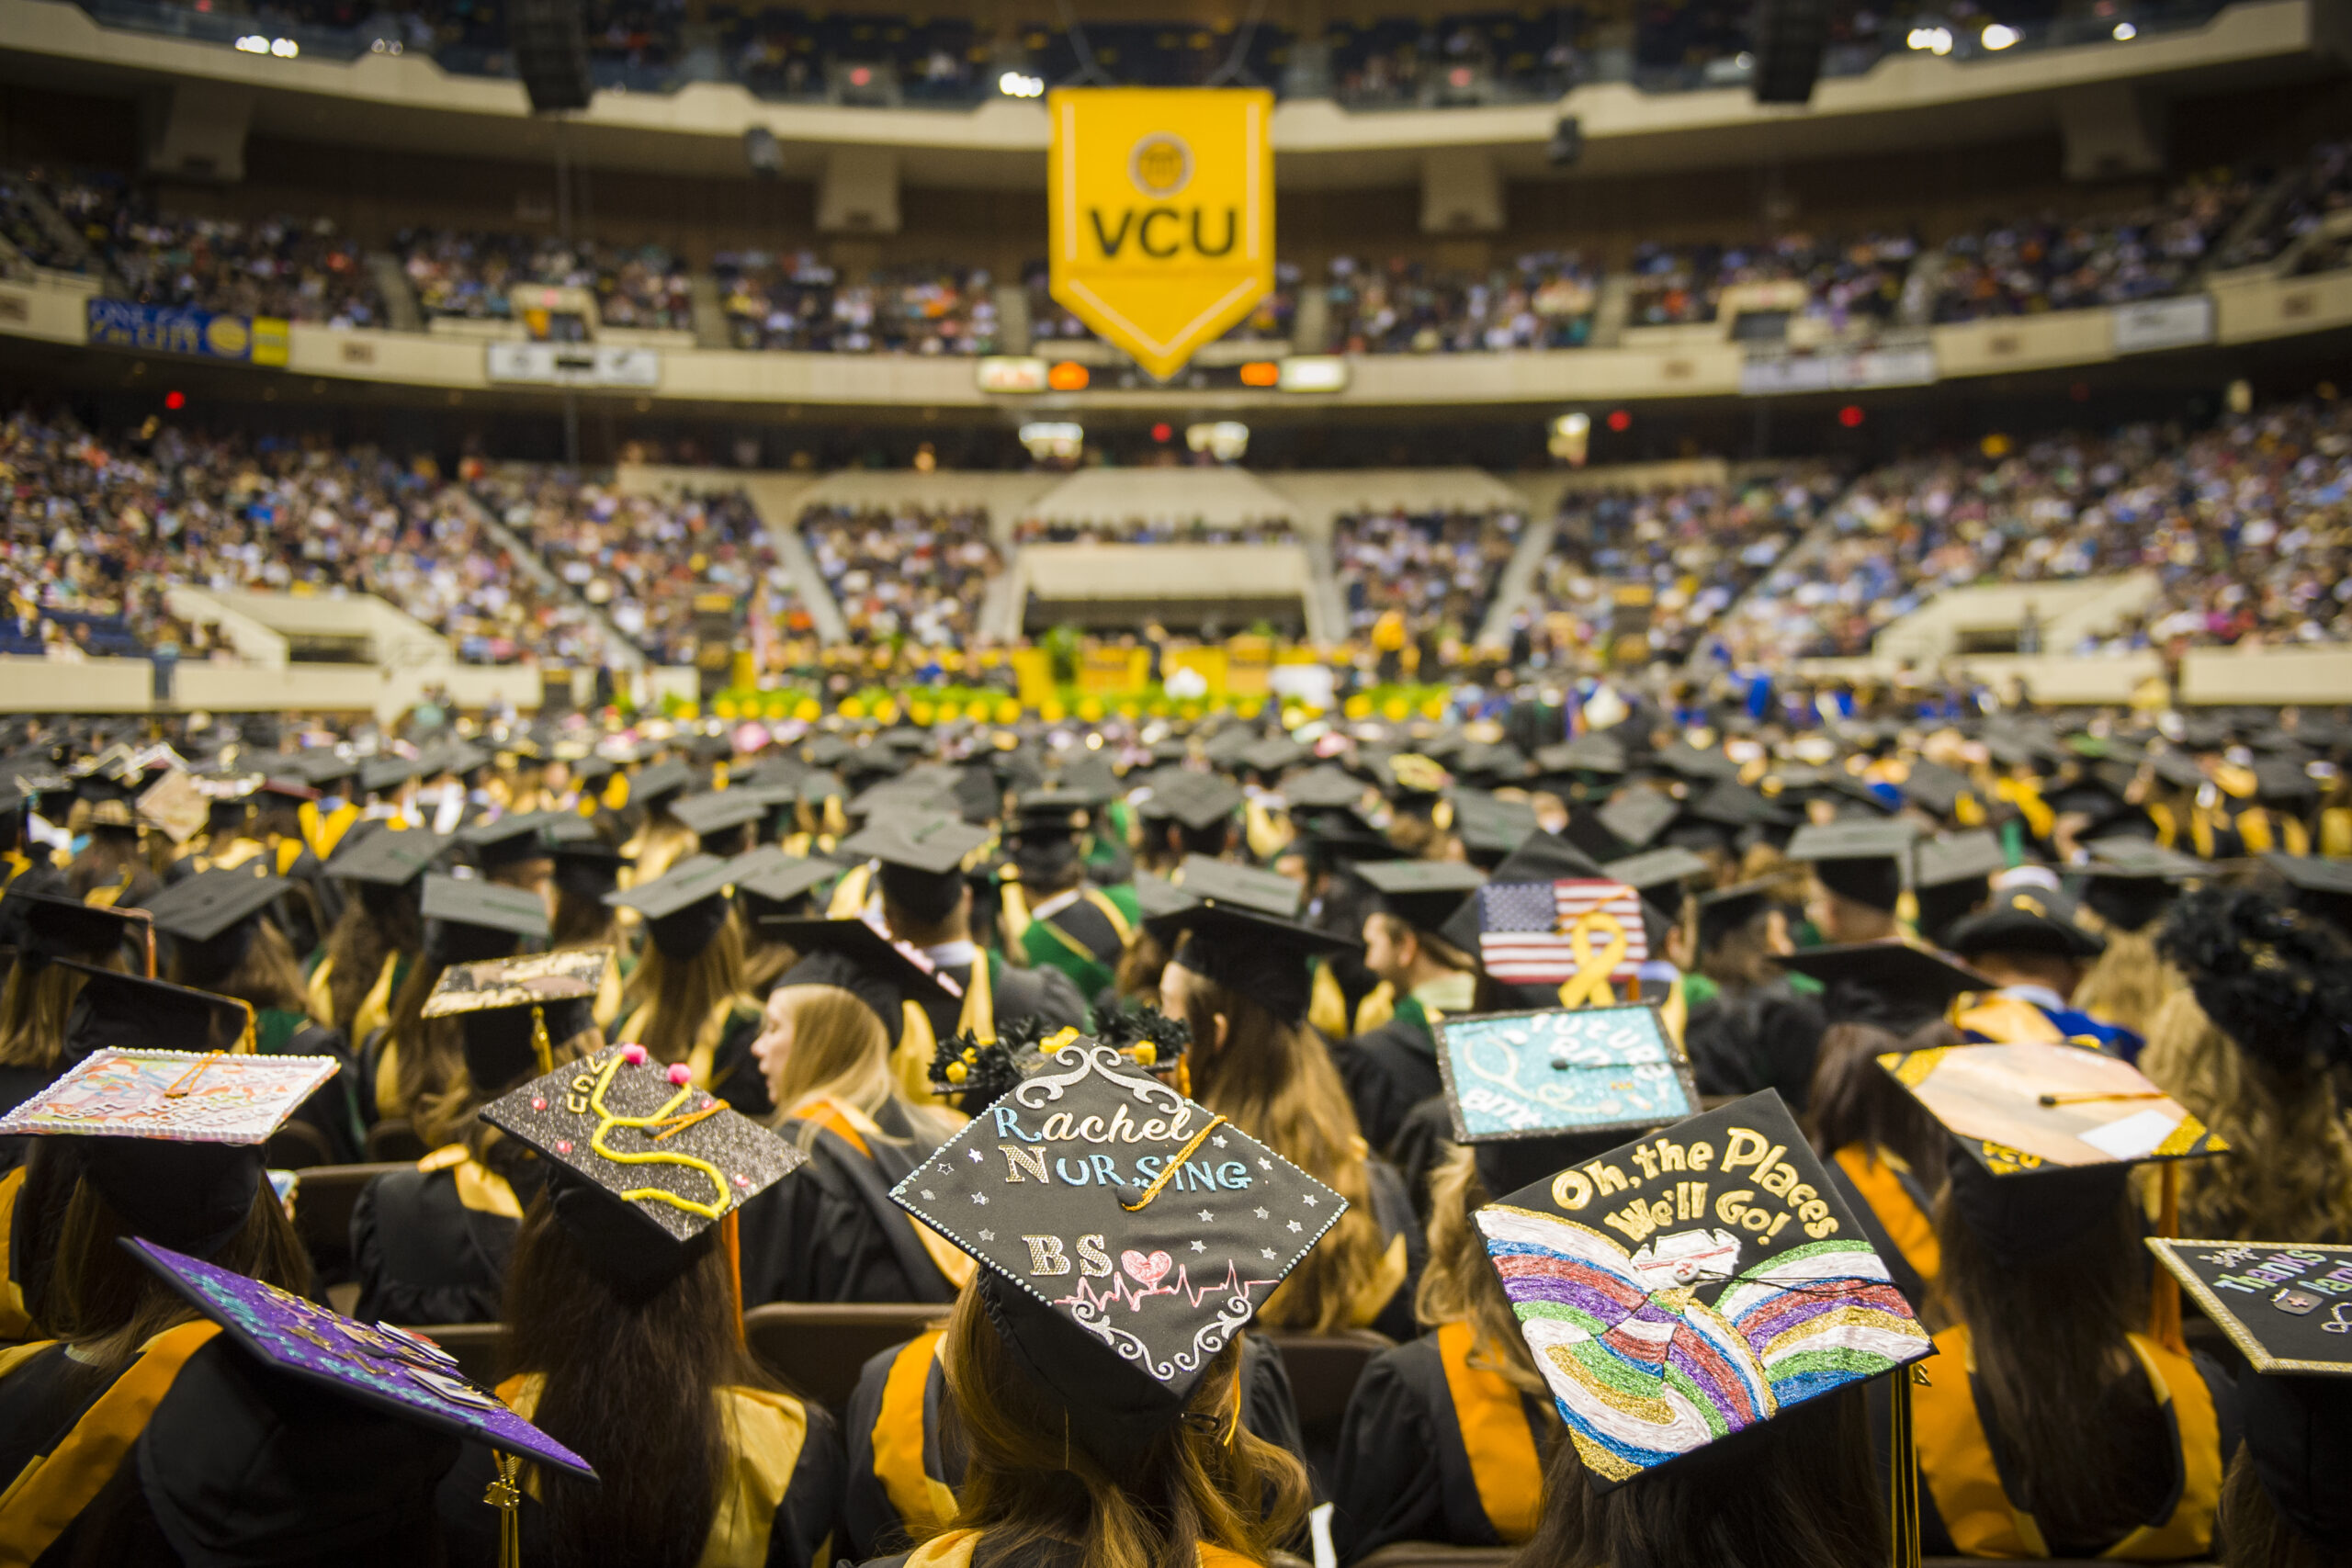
{"x":1493,"y":79}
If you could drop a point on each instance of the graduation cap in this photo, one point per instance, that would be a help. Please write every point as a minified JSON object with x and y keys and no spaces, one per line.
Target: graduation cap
{"x":2322,"y":886}
{"x":1242,"y":944}
{"x":1933,"y":787}
{"x":1498,"y":761}
{"x":1197,"y":801}
{"x":1689,"y":1285}
{"x":2287,"y":1308}
{"x":1925,"y":979}
{"x":1638,"y":816}
{"x":1722,"y":910}
{"x":512,"y":1012}
{"x":590,"y":771}
{"x":1490,"y":828}
{"x":719,"y":816}
{"x":1274,"y":754}
{"x":1584,"y":754}
{"x":1342,"y":834}
{"x":2178,"y":769}
{"x":1051,"y":813}
{"x":2279,"y":779}
{"x":654,"y":786}
{"x":930,"y":845}
{"x":1268,"y":892}
{"x":1951,"y":875}
{"x":382,"y":774}
{"x":1226,"y":748}
{"x":1522,"y":1077}
{"x":1691,"y":762}
{"x":1422,"y":893}
{"x":1324,"y":786}
{"x":44,"y":927}
{"x":771,"y":881}
{"x":1155,"y":894}
{"x":827,"y":752}
{"x":511,"y":839}
{"x":474,"y":920}
{"x":211,"y":917}
{"x":1858,"y":860}
{"x":2036,"y":1107}
{"x":907,"y":793}
{"x":865,"y":960}
{"x":1659,"y":875}
{"x":324,"y":769}
{"x":2025,"y":920}
{"x":1116,"y":1270}
{"x":684,"y":908}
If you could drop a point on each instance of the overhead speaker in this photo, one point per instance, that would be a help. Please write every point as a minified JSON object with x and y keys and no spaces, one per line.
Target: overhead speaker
{"x":551,"y":54}
{"x":1568,"y":143}
{"x":1787,"y":38}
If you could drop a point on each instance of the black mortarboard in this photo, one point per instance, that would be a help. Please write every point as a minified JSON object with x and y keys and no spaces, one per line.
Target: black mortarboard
{"x":1342,"y":833}
{"x":1268,"y":892}
{"x":1927,"y":980}
{"x":2323,"y":886}
{"x":1490,"y":828}
{"x":2284,"y":1305}
{"x":1197,"y":800}
{"x":1239,"y":945}
{"x":642,"y":1161}
{"x":2282,"y":779}
{"x":719,"y":816}
{"x":44,"y":926}
{"x":1155,"y":894}
{"x":1275,"y":753}
{"x":1724,"y":910}
{"x":1691,"y":762}
{"x":1727,"y":803}
{"x":1322,"y":787}
{"x":1088,"y":1246}
{"x":511,"y":839}
{"x":652,"y":787}
{"x":1861,"y":860}
{"x":1496,"y":762}
{"x":1584,"y":754}
{"x":1051,"y":813}
{"x":2025,"y":920}
{"x":1659,"y":875}
{"x":1934,"y":788}
{"x":511,"y":1011}
{"x":388,"y":857}
{"x":588,"y":771}
{"x":1951,"y":876}
{"x":1638,"y":817}
{"x":932,"y":846}
{"x":1665,"y":1315}
{"x":200,"y":908}
{"x":1544,"y":857}
{"x":380,"y":773}
{"x":126,"y":1012}
{"x":1422,"y":893}
{"x":865,"y":960}
{"x":470,"y":919}
{"x":684,"y":908}
{"x":1224,"y":749}
{"x":2131,"y":883}
{"x":771,"y":881}
{"x":324,"y":769}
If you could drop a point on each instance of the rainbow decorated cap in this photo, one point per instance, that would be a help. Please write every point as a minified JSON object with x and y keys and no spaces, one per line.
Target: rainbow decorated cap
{"x":1694,"y":1283}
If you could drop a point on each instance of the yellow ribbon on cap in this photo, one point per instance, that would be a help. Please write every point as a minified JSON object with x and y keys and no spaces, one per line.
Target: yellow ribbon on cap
{"x":1590,"y":986}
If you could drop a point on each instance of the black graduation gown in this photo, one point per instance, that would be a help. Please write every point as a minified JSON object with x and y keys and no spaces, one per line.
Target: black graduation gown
{"x":236,"y":1464}
{"x":1393,"y":1208}
{"x":830,"y":1233}
{"x":1388,"y":1071}
{"x":1044,"y":994}
{"x":425,"y":1255}
{"x":333,"y":1108}
{"x":807,"y":1515}
{"x":1765,"y":1038}
{"x":1405,"y":1471}
{"x":17,"y":1086}
{"x":881,"y":1442}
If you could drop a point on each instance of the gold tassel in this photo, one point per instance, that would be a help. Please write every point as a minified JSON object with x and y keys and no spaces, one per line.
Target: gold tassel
{"x":506,"y":1497}
{"x":540,"y":1047}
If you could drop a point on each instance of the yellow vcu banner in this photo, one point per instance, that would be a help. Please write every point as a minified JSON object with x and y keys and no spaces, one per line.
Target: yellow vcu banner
{"x":1163,"y":213}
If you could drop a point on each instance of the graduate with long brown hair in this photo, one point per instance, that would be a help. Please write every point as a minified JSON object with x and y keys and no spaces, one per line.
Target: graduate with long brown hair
{"x":37,"y":996}
{"x":1879,"y":1137}
{"x":685,"y":1001}
{"x":380,"y":931}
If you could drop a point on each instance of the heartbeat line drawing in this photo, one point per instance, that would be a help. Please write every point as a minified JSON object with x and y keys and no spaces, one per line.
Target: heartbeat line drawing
{"x":1087,"y":1298}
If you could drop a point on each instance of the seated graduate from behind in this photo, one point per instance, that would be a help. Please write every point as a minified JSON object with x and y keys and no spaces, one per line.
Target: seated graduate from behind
{"x":926,"y":902}
{"x":1390,"y":1069}
{"x":685,"y":1000}
{"x":1071,"y":925}
{"x":37,"y":996}
{"x":1093,"y":1358}
{"x":2076,"y":1426}
{"x":512,"y":851}
{"x":2030,"y":943}
{"x":1238,"y":975}
{"x":431,"y":1245}
{"x":1755,"y":1447}
{"x":379,"y":932}
{"x":587,"y":871}
{"x":467,"y":920}
{"x":1880,"y":1139}
{"x":2128,"y":888}
{"x":218,"y":933}
{"x":627,"y":1340}
{"x":139,"y":1432}
{"x":769,"y":883}
{"x":828,"y":1047}
{"x":905,"y":1450}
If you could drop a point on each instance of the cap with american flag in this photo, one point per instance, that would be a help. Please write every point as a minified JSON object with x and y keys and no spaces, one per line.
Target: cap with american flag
{"x":1536,"y":932}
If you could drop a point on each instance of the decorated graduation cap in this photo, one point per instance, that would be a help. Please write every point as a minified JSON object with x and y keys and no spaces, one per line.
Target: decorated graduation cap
{"x":45,"y":927}
{"x":685,"y":908}
{"x":769,"y":882}
{"x":1125,"y":1235}
{"x":1585,"y":934}
{"x":388,"y":857}
{"x":1530,"y":1092}
{"x":2025,"y":920}
{"x":172,"y":1137}
{"x":2038,"y":1107}
{"x":1240,"y":931}
{"x":718,"y":818}
{"x":1659,"y":875}
{"x":1693,"y":1284}
{"x":1951,"y":875}
{"x":469,"y":920}
{"x":1422,"y":893}
{"x":1860,"y":860}
{"x":1541,"y":857}
{"x":513,"y":1011}
{"x":2287,"y":1308}
{"x":642,"y":1161}
{"x":210,"y":918}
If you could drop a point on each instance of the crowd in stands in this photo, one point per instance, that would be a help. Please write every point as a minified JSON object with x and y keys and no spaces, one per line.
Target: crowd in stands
{"x":1422,"y":577}
{"x":471,"y":276}
{"x":1694,"y":547}
{"x":913,"y":572}
{"x":797,"y":302}
{"x":643,"y":560}
{"x":1848,"y":283}
{"x":1464,"y":58}
{"x":1155,"y":531}
{"x":2313,"y":193}
{"x":2243,"y":525}
{"x":1544,"y":300}
{"x":2022,"y":267}
{"x":101,"y":527}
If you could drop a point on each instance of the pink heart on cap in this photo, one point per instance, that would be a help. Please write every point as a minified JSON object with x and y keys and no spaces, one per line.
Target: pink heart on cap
{"x":1146,"y":1270}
